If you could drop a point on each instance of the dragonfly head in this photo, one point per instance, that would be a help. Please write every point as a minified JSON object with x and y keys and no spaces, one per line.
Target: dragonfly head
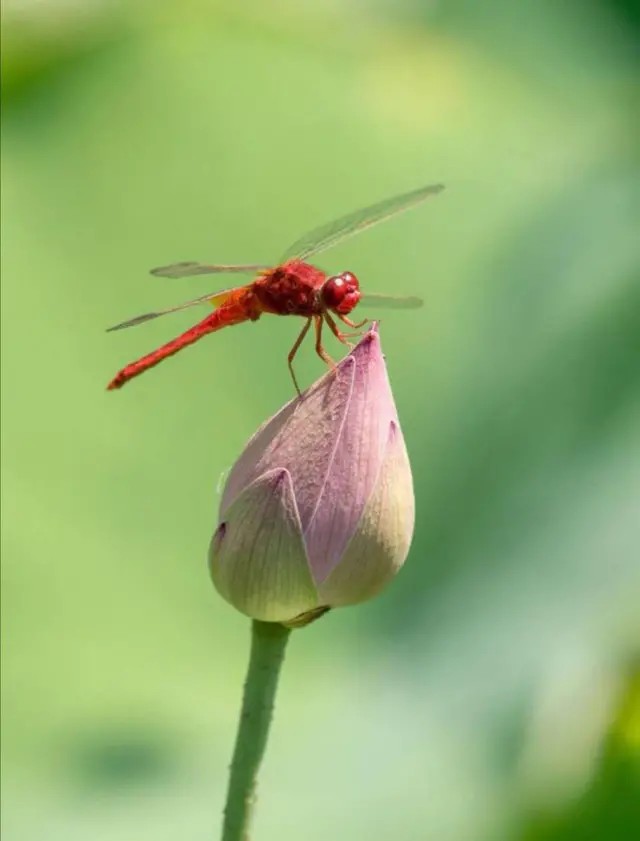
{"x":341,"y":293}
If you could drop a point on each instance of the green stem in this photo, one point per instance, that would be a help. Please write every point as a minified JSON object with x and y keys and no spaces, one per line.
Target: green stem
{"x":268,"y":643}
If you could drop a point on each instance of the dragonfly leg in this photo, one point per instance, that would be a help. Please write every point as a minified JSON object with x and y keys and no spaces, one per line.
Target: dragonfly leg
{"x":340,"y":336}
{"x":349,"y":323}
{"x":294,"y":350}
{"x":322,"y":353}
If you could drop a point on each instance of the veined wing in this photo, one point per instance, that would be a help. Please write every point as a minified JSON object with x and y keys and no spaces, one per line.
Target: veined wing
{"x":334,"y":232}
{"x":191,"y":268}
{"x":214,"y":298}
{"x":392,"y":302}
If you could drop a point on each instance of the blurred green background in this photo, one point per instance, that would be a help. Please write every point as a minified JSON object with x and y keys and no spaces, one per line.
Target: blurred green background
{"x":493,"y":692}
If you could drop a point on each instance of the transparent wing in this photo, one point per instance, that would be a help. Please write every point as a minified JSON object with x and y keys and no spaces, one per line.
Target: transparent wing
{"x":192,"y":268}
{"x":333,"y":233}
{"x":214,"y":298}
{"x":391,"y":302}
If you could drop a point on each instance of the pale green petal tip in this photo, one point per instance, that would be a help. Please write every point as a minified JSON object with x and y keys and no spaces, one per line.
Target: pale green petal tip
{"x":257,"y":556}
{"x":381,"y":543}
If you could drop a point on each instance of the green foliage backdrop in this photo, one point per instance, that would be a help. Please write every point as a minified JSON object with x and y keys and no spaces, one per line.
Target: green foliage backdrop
{"x":490,"y":693}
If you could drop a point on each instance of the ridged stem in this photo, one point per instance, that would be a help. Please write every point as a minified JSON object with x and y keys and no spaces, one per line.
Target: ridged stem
{"x":268,"y":644}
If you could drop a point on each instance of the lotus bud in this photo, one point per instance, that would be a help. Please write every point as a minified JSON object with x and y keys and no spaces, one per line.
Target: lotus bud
{"x":318,"y":511}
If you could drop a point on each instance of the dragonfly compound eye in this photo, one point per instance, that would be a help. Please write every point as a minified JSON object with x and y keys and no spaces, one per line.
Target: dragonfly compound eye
{"x":341,"y":293}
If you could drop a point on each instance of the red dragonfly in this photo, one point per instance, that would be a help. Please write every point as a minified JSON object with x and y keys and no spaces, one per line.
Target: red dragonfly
{"x":293,"y":287}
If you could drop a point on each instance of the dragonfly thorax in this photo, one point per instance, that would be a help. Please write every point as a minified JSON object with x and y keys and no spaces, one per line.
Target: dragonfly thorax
{"x":341,"y":292}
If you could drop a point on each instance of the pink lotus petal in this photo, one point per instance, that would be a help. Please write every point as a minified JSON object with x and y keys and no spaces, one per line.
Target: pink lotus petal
{"x":381,"y":542}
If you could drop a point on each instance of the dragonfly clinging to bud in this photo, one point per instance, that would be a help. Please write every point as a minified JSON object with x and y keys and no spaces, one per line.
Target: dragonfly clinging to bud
{"x":293,"y":287}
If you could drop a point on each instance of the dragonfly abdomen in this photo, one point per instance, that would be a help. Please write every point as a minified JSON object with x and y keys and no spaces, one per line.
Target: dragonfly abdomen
{"x":225,"y":316}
